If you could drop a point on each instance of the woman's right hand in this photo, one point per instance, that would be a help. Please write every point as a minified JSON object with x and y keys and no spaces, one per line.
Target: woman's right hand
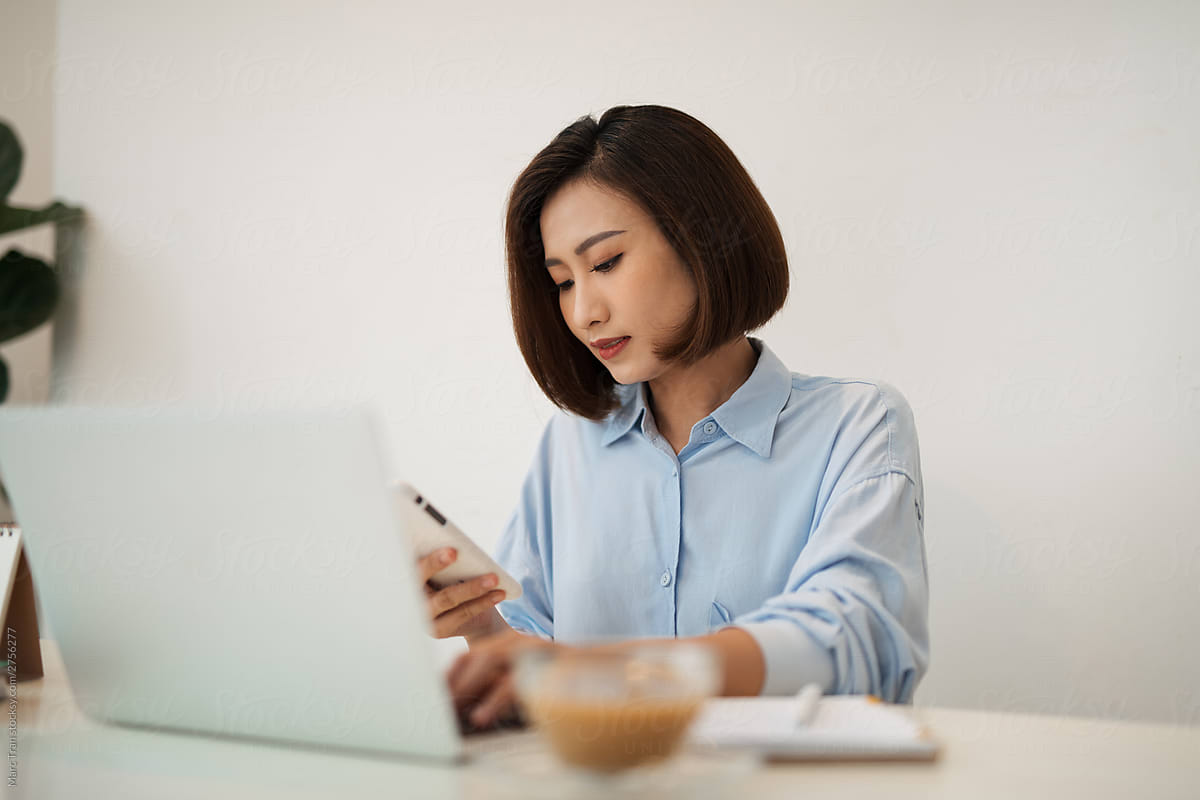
{"x":467,"y":608}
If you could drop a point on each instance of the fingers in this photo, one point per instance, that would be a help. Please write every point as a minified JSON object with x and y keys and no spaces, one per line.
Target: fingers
{"x":450,"y":622}
{"x":473,"y":671}
{"x":476,"y":673}
{"x":455,"y":673}
{"x":456,"y":594}
{"x":435,"y":562}
{"x":499,"y":701}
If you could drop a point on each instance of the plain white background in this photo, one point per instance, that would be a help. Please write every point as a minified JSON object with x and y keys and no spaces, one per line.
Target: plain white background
{"x":994,"y":207}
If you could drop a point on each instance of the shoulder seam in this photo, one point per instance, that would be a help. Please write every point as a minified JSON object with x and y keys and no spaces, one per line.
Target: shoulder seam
{"x":889,"y":415}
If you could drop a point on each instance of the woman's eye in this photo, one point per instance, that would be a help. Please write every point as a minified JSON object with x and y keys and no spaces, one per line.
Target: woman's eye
{"x":607,"y":265}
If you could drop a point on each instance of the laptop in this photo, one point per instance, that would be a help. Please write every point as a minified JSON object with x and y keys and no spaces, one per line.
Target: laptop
{"x":239,"y":574}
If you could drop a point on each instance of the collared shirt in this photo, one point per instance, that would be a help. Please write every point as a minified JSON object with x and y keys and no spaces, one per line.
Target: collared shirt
{"x":794,"y":512}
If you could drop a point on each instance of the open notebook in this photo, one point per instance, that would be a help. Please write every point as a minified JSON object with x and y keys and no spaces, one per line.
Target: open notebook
{"x":840,"y":727}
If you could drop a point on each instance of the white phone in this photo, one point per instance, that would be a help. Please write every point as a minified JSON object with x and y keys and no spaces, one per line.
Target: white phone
{"x":430,"y":530}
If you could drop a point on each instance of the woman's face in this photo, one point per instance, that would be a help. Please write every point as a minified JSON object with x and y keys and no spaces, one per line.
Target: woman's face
{"x":617,"y":277}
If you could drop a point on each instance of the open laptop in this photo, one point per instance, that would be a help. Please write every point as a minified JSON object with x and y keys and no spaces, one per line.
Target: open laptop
{"x":232,"y":574}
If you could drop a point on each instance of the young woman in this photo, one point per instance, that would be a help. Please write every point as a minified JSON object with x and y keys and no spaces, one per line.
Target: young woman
{"x":692,"y":486}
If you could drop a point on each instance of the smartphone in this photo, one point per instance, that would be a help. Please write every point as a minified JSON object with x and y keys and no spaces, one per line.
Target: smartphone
{"x":430,"y":530}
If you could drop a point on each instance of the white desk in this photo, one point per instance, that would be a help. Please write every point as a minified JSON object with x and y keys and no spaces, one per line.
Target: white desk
{"x":986,"y":754}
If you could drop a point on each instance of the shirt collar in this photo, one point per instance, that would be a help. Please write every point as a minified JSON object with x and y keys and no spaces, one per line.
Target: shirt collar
{"x":748,"y":417}
{"x":633,"y":406}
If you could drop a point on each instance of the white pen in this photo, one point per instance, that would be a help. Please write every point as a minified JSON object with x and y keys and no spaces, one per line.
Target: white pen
{"x":806,"y":703}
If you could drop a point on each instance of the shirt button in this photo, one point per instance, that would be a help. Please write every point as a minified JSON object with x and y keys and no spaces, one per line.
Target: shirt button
{"x":665,"y":580}
{"x":710,"y":427}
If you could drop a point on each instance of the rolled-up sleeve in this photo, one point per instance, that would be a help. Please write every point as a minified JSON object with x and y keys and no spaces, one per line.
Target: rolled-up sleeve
{"x":853,"y":616}
{"x":519,"y":554}
{"x":525,"y":549}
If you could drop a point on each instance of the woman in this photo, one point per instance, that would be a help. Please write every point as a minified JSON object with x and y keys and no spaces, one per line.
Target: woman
{"x":692,"y":486}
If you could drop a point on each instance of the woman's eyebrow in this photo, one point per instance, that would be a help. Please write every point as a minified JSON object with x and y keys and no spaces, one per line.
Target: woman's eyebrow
{"x":584,"y":245}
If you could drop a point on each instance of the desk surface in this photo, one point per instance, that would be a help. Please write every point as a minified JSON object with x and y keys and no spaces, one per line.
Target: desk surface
{"x":985,"y":754}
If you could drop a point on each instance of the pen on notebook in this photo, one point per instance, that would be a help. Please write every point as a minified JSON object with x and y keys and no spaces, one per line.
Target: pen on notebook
{"x":806,"y":703}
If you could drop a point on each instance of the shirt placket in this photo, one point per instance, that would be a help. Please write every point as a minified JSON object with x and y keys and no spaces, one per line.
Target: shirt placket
{"x":669,"y":533}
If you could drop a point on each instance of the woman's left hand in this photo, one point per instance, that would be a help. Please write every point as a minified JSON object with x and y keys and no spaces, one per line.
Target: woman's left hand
{"x":481,"y":680}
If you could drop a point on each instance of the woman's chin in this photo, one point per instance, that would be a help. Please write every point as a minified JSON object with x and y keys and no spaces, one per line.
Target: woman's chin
{"x":624,"y":376}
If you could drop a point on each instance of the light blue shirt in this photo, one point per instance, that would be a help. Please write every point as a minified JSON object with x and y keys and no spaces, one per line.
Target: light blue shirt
{"x":794,"y":512}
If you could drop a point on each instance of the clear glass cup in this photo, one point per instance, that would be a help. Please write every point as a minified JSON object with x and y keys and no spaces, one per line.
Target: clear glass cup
{"x":606,"y":710}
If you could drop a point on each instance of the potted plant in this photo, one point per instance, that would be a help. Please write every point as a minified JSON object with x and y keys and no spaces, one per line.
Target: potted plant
{"x":28,"y":295}
{"x":28,"y":286}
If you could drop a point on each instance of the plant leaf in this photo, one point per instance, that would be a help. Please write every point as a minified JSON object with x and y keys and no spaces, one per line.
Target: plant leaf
{"x":15,"y":218}
{"x":10,"y":159}
{"x":28,"y":294}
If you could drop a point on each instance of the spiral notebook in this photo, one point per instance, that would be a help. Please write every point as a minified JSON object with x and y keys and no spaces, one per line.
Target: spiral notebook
{"x":839,"y":727}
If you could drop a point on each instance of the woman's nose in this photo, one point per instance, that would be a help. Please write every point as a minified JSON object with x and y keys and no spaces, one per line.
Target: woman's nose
{"x":589,"y":306}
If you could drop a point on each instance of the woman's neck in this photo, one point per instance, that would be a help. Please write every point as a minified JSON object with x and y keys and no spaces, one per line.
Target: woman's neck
{"x":682,"y":396}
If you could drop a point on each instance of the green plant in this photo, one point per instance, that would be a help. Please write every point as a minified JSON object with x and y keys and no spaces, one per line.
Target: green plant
{"x":28,"y":286}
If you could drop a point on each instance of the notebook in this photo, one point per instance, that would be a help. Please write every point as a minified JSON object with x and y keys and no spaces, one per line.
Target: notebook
{"x":840,"y":727}
{"x":10,"y":556}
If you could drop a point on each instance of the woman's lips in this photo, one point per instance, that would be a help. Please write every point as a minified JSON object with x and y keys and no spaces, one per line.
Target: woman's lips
{"x":614,"y":348}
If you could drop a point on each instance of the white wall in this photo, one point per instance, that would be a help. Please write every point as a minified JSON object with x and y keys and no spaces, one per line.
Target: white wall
{"x":993,"y":208}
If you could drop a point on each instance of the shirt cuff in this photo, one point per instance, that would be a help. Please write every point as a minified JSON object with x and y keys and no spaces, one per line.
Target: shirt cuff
{"x":792,"y":657}
{"x":521,"y":623}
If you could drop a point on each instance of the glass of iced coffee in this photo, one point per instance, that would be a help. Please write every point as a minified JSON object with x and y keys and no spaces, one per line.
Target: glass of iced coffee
{"x":606,"y":710}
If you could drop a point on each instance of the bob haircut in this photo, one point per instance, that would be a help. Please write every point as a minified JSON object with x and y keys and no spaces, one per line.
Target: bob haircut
{"x":706,"y":206}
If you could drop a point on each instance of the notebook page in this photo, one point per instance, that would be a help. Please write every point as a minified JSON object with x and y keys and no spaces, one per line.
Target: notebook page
{"x":732,"y":718}
{"x":842,"y":726}
{"x":851,"y":713}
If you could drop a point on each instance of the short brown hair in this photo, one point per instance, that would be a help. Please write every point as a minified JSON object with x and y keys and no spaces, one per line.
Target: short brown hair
{"x":706,"y":206}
